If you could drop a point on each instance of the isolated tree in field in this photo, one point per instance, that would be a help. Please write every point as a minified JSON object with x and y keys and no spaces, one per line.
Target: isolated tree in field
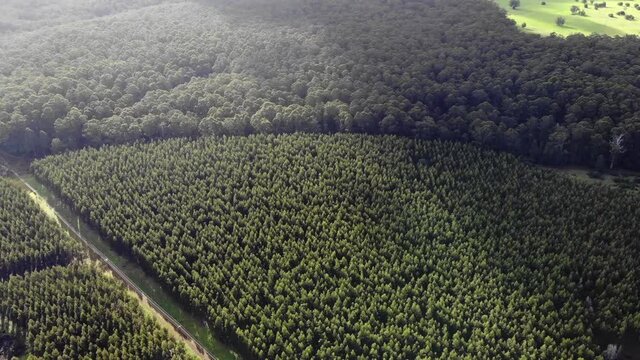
{"x":560,"y":21}
{"x":514,"y":4}
{"x":617,"y":148}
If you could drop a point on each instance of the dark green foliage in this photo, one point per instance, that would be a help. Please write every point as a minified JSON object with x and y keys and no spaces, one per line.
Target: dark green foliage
{"x":431,"y":69}
{"x":346,"y":246}
{"x":10,"y":344}
{"x":75,"y":312}
{"x":601,"y":164}
{"x":596,"y":175}
{"x":619,"y":180}
{"x":28,"y":238}
{"x":625,"y":183}
{"x":20,"y":15}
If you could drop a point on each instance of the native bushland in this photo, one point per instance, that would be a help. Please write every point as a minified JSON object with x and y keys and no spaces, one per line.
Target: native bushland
{"x":29,"y":240}
{"x":451,"y":70}
{"x":317,"y":246}
{"x":53,"y":305}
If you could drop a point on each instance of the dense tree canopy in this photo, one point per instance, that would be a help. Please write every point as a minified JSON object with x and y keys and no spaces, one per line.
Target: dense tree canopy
{"x":28,"y":15}
{"x":354,"y":246}
{"x":453,"y":70}
{"x":29,"y":240}
{"x":76,"y":312}
{"x":49,"y":311}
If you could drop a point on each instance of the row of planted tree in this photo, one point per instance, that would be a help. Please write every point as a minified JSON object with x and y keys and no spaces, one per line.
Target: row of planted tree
{"x":56,"y":305}
{"x":347,"y":246}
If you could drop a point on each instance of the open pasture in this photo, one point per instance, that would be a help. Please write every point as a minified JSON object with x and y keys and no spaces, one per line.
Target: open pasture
{"x":606,"y":20}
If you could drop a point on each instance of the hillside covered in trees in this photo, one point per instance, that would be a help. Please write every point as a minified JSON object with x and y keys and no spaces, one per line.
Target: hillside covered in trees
{"x":29,"y":15}
{"x":450,"y":70}
{"x":357,"y":246}
{"x":55,"y":306}
{"x":303,"y":175}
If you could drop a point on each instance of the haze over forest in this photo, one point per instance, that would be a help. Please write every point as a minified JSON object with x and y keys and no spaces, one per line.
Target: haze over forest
{"x":90,"y":73}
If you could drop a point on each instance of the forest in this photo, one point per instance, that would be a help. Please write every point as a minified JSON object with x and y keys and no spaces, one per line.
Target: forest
{"x":76,"y":312}
{"x":461,"y":252}
{"x":56,"y":305}
{"x":320,"y":179}
{"x":28,"y":239}
{"x":434,"y":69}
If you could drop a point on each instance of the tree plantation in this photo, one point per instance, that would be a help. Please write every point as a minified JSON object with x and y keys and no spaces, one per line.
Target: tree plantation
{"x":28,"y":239}
{"x":355,"y":246}
{"x":452,"y":70}
{"x":76,"y":312}
{"x":54,"y":306}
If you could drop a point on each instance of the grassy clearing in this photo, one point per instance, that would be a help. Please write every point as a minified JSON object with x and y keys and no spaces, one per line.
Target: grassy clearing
{"x":150,"y":311}
{"x":44,"y":206}
{"x":541,"y":19}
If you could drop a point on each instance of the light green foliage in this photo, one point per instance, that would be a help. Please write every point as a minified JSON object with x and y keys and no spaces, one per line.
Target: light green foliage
{"x":541,"y":19}
{"x":376,"y":247}
{"x":55,"y":312}
{"x":75,"y":312}
{"x":29,"y":239}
